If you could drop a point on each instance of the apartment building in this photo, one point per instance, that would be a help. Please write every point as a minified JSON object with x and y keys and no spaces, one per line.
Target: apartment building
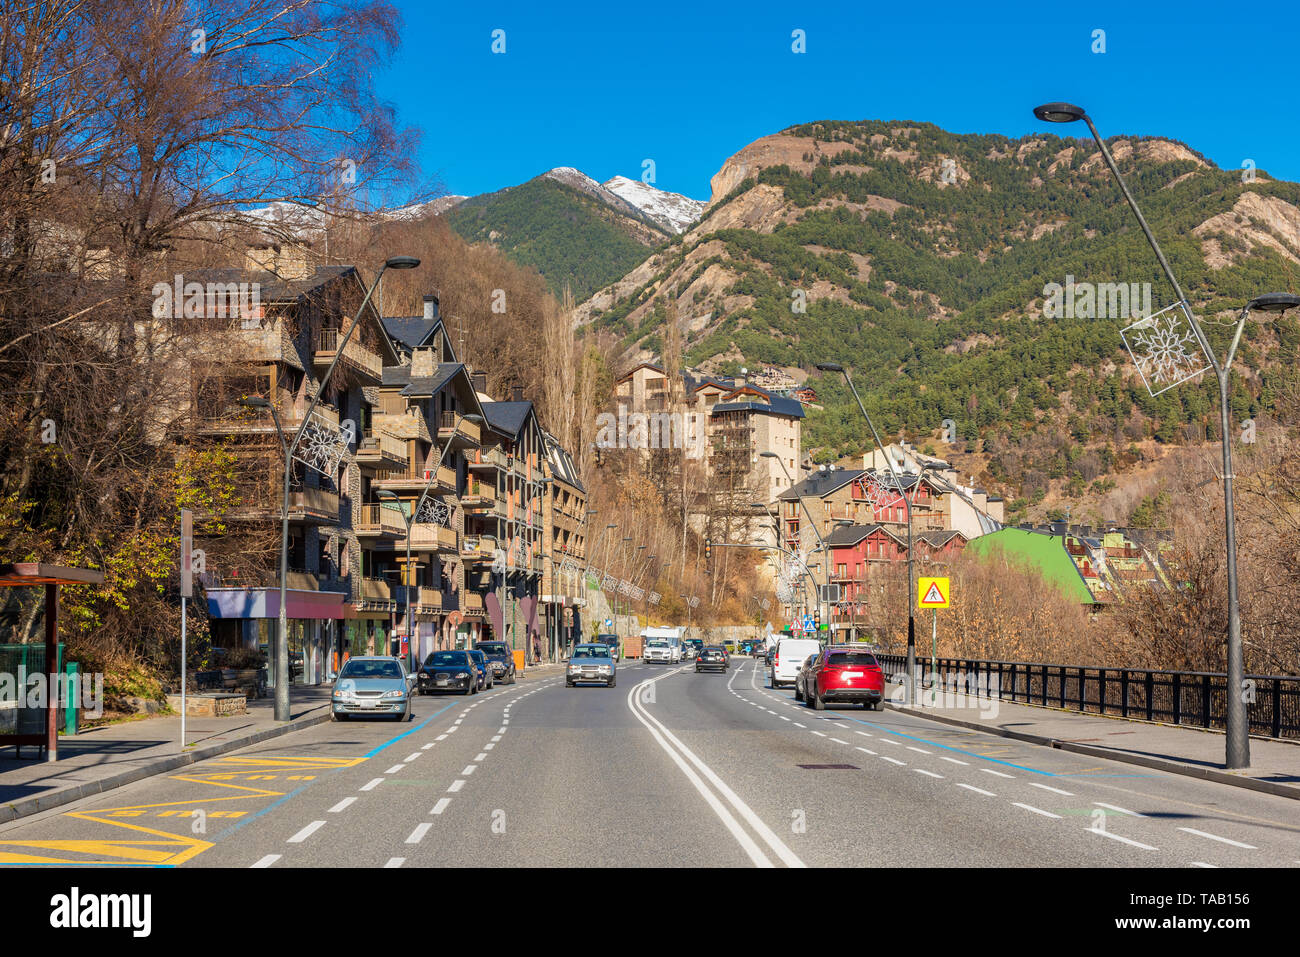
{"x":563,"y":597}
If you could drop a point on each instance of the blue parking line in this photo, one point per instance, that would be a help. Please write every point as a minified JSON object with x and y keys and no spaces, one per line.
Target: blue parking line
{"x":226,"y":832}
{"x":946,"y":747}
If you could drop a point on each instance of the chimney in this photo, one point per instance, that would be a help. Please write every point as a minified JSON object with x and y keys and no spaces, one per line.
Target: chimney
{"x":479,"y":381}
{"x":516,"y":393}
{"x":430,"y":307}
{"x":423,"y":364}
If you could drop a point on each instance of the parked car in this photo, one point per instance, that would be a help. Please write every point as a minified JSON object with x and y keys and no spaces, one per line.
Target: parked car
{"x":591,"y":663}
{"x":614,"y":643}
{"x":692,"y":647}
{"x":447,"y":671}
{"x":500,"y":658}
{"x":484,"y":669}
{"x":798,"y":677}
{"x":371,"y":685}
{"x":789,"y":655}
{"x":712,"y":657}
{"x":843,"y":673}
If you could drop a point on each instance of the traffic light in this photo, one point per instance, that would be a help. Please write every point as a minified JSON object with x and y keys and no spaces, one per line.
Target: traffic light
{"x":708,"y":556}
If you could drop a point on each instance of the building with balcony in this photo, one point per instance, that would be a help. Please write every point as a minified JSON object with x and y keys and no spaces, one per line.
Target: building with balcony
{"x":564,"y":547}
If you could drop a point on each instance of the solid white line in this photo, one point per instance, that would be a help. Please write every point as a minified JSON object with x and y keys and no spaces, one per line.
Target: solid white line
{"x":440,"y":806}
{"x":456,"y":786}
{"x":372,"y":785}
{"x":418,"y":834}
{"x":469,"y":769}
{"x":1036,"y":810}
{"x":395,"y":862}
{"x":971,"y":787}
{"x":1215,"y":837}
{"x":342,"y":805}
{"x":998,"y":773}
{"x":306,"y":832}
{"x":1111,"y":807}
{"x":481,"y":756}
{"x":953,"y":760}
{"x":1053,"y":790}
{"x":866,"y":751}
{"x":893,"y":760}
{"x":266,"y":861}
{"x":677,"y":751}
{"x":395,"y":768}
{"x":412,"y":757}
{"x":1125,"y":840}
{"x":927,"y":773}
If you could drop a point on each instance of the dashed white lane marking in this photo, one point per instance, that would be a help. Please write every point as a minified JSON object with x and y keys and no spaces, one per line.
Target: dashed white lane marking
{"x":866,"y":751}
{"x":1122,"y":840}
{"x":342,"y":805}
{"x":428,"y":746}
{"x":1112,"y":807}
{"x":456,"y":786}
{"x":395,"y":862}
{"x":892,"y":760}
{"x":953,"y":760}
{"x":891,"y":741}
{"x":440,"y":806}
{"x":418,"y":834}
{"x":971,"y":787}
{"x":798,"y":725}
{"x":440,"y":737}
{"x":412,"y":757}
{"x":1036,"y":810}
{"x":838,"y":741}
{"x":458,"y":721}
{"x":1221,"y":840}
{"x":452,"y":728}
{"x":996,"y":773}
{"x":267,"y":861}
{"x":922,"y":750}
{"x":496,"y":738}
{"x":469,"y":769}
{"x":489,"y":746}
{"x":1053,"y":790}
{"x":864,"y":734}
{"x":481,"y":756}
{"x":395,"y":768}
{"x":501,"y":730}
{"x":371,"y":785}
{"x":306,"y":832}
{"x":819,"y":734}
{"x":783,"y":717}
{"x":930,"y":774}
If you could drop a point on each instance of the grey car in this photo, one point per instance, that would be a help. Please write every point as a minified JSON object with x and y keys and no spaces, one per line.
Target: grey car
{"x":372,"y":685}
{"x":592,"y":663}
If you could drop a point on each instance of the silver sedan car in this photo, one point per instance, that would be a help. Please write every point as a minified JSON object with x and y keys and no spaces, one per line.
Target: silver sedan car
{"x":372,"y":686}
{"x":593,"y":663}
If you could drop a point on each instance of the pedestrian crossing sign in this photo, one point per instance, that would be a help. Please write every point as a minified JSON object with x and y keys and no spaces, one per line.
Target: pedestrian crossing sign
{"x":933,"y":593}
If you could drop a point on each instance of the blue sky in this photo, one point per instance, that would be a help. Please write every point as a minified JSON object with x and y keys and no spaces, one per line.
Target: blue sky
{"x":604,"y":87}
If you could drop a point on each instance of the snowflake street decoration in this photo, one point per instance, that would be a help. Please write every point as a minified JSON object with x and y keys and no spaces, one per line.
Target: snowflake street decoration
{"x":498,"y":560}
{"x":610,"y":583}
{"x":784,"y":593}
{"x":694,"y":602}
{"x":433,"y":512}
{"x":654,"y":597}
{"x":568,"y":566}
{"x":765,"y":604}
{"x":1165,"y":349}
{"x":322,"y":447}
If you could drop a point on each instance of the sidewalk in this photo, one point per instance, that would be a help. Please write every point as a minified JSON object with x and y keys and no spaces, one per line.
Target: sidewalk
{"x":1275,"y":765}
{"x":108,"y":757}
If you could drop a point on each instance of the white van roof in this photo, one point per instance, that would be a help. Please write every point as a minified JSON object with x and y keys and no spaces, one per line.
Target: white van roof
{"x":661,"y":632}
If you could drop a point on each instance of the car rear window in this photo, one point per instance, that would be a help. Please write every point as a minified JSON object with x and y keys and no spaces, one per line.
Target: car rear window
{"x":492,"y":649}
{"x":852,"y":658}
{"x":445,"y":658}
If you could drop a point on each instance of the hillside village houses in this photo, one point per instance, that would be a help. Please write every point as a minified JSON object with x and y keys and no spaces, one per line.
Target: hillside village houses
{"x":403,"y":422}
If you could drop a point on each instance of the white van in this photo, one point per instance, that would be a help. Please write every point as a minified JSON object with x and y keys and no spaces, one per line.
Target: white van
{"x":790,"y":654}
{"x":663,"y":645}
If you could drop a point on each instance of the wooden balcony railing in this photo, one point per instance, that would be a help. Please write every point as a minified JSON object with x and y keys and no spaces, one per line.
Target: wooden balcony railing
{"x":354,"y":353}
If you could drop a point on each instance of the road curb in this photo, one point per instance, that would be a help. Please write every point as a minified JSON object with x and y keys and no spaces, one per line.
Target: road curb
{"x":46,"y":802}
{"x":1173,"y":767}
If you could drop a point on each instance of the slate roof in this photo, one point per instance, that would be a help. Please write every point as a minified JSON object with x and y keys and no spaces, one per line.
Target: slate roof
{"x":507,"y":417}
{"x":820,"y":484}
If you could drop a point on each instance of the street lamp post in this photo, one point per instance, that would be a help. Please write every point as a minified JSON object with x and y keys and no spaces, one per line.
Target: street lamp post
{"x":898,"y":482}
{"x":824,"y":601}
{"x":1238,"y":726}
{"x":282,"y":644}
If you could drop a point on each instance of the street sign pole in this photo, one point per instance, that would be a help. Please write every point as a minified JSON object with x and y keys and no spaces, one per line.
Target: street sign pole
{"x":934,"y":654}
{"x":187,"y":589}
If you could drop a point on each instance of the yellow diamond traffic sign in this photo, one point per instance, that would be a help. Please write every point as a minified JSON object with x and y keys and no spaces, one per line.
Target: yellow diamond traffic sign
{"x":933,"y":593}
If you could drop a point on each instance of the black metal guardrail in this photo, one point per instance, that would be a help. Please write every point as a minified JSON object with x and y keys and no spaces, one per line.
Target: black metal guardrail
{"x":1191,"y":698}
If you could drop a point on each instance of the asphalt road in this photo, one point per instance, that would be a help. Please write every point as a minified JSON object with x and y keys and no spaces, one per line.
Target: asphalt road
{"x":668,"y":769}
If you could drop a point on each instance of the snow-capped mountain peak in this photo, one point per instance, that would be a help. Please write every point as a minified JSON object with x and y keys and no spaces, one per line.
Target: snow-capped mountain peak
{"x":673,"y":211}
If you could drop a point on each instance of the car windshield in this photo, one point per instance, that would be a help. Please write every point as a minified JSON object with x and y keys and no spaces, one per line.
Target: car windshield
{"x":493,"y":649}
{"x":445,"y":658}
{"x":851,"y":658}
{"x":659,"y":644}
{"x":590,"y":651}
{"x":713,"y":650}
{"x":371,"y":669}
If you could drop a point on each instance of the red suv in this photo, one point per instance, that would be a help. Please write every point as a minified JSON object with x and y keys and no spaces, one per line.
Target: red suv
{"x":842,"y":674}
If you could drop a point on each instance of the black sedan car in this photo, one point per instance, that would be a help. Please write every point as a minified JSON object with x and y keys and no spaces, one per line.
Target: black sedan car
{"x":712,"y":657}
{"x":448,"y":671}
{"x":500,"y":659}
